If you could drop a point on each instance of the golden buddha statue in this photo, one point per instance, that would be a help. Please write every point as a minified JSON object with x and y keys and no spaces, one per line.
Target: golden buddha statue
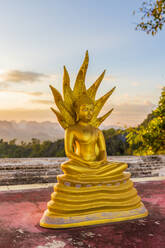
{"x":92,"y":190}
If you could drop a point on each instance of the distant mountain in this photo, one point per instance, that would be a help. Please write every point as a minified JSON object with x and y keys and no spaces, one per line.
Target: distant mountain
{"x":26,"y":130}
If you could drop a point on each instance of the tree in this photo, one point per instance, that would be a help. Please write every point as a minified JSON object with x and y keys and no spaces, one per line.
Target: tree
{"x":115,"y":142}
{"x":149,"y":137}
{"x":153,"y":16}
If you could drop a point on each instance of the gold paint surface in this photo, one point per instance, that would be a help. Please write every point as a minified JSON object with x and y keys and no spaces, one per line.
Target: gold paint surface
{"x":92,"y":190}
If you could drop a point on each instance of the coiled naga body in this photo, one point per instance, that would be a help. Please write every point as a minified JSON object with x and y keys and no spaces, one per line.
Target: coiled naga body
{"x":92,"y":190}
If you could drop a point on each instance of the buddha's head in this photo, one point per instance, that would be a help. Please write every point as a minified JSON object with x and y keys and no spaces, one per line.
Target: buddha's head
{"x":84,"y":108}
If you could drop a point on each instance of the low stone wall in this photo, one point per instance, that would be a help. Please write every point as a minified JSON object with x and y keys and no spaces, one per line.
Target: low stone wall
{"x":14,"y":171}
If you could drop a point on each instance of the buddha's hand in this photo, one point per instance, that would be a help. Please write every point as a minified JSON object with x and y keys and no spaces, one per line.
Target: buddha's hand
{"x":78,"y":159}
{"x":96,"y":162}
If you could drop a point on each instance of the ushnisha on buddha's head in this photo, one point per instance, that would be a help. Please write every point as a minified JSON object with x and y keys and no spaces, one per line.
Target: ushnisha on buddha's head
{"x":84,"y":108}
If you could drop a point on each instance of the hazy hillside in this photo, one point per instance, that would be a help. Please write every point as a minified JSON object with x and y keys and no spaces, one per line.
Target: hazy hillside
{"x":26,"y":130}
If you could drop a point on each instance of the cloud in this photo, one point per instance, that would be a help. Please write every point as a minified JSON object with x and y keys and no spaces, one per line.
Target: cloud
{"x":110,"y":78}
{"x":3,"y":85}
{"x":42,"y":101}
{"x":17,"y":76}
{"x":35,"y":93}
{"x":128,"y":113}
{"x":135,"y":108}
{"x":36,"y":114}
{"x":160,"y":86}
{"x":135,"y":84}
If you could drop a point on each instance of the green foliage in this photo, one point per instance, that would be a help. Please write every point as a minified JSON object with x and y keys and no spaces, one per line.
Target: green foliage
{"x":115,"y":140}
{"x":153,"y":17}
{"x":149,"y":137}
{"x":32,"y":149}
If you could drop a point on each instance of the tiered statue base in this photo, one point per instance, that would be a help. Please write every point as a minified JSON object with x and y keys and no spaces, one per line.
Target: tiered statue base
{"x":87,"y":196}
{"x":52,"y":221}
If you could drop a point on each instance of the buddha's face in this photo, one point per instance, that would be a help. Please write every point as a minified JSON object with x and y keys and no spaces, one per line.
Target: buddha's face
{"x":86,"y":112}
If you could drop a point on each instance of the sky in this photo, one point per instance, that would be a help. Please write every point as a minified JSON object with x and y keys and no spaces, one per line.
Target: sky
{"x":39,"y":37}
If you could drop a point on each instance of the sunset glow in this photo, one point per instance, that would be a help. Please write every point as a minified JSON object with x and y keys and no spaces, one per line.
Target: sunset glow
{"x":39,"y":37}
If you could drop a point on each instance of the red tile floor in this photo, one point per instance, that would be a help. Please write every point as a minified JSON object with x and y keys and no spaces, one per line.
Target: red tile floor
{"x":21,"y":210}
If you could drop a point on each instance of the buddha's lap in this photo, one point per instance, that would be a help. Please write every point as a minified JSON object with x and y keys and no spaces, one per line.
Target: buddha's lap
{"x":106,"y":168}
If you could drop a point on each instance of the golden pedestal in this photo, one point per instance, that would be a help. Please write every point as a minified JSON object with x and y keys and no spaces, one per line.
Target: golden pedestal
{"x":93,"y":199}
{"x":53,"y":221}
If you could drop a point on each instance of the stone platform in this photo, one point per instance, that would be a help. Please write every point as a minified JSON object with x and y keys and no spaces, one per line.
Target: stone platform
{"x":14,"y":171}
{"x":21,"y":208}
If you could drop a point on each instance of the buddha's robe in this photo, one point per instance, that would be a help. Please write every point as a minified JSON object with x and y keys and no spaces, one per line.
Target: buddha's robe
{"x":95,"y":194}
